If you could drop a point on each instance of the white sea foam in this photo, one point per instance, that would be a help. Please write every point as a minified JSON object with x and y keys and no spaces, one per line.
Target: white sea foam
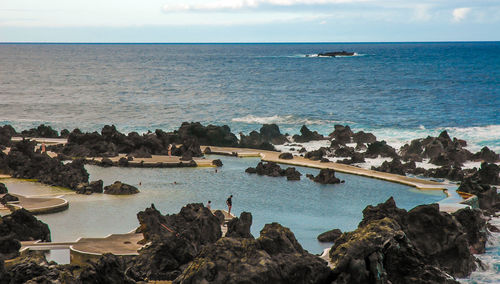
{"x":376,"y":162}
{"x":491,"y":258}
{"x":476,"y":137}
{"x":282,"y":119}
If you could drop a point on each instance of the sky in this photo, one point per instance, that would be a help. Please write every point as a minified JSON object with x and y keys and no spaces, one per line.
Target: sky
{"x":248,"y":20}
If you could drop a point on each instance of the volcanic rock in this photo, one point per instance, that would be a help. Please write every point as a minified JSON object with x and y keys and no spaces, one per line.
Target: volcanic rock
{"x":255,"y":141}
{"x":8,"y":198}
{"x":395,"y":167}
{"x":362,"y":137}
{"x":240,"y":227}
{"x":307,"y":135}
{"x":275,"y":257}
{"x":23,"y":226}
{"x":342,"y":134}
{"x":329,"y":236}
{"x":271,"y":133}
{"x":380,"y":148}
{"x":326,"y":176}
{"x":119,"y":188}
{"x":286,"y":156}
{"x":23,"y":162}
{"x":487,"y":155}
{"x":3,"y":188}
{"x":316,"y":155}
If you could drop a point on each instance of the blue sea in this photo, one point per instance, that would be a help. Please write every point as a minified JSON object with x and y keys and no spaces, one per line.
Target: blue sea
{"x":398,"y":91}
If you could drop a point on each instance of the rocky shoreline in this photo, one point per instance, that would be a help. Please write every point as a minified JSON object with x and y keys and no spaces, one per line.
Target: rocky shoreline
{"x":390,"y":245}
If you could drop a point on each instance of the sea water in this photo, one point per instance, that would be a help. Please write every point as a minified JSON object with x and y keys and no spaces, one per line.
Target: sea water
{"x":398,"y":91}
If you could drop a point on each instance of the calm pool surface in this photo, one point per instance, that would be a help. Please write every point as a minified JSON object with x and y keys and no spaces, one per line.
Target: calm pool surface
{"x":307,"y":208}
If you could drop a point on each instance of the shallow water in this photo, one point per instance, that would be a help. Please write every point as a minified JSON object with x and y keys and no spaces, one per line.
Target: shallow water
{"x":307,"y":208}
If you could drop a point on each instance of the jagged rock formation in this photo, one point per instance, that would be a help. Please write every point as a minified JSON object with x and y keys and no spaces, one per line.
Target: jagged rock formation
{"x":274,"y":170}
{"x":422,"y":245}
{"x":119,"y":188}
{"x":329,"y":236}
{"x":307,"y":135}
{"x":325,"y":176}
{"x":23,"y":162}
{"x":275,"y":257}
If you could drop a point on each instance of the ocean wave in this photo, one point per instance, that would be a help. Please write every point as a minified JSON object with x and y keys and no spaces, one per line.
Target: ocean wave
{"x":283,"y":119}
{"x":491,"y":258}
{"x":476,"y":137}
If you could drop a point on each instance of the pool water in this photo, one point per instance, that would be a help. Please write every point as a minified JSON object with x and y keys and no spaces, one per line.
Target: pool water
{"x":307,"y":208}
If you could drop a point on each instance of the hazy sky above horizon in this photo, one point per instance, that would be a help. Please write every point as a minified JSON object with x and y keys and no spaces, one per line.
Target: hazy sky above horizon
{"x":248,"y":20}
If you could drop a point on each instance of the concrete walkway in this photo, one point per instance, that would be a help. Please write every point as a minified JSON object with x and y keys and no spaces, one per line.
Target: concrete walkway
{"x":272,"y":156}
{"x":158,"y":159}
{"x":36,"y":205}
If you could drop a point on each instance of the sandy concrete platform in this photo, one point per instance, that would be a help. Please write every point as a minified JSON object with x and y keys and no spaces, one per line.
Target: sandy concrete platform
{"x":272,"y":156}
{"x":158,"y":160}
{"x":47,"y":141}
{"x":36,"y":205}
{"x":117,"y":244}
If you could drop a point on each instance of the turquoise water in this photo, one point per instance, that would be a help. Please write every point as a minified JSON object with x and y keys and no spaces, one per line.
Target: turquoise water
{"x":307,"y":208}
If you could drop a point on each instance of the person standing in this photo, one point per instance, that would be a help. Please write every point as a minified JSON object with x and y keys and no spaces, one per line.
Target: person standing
{"x":229,"y":203}
{"x":209,"y":205}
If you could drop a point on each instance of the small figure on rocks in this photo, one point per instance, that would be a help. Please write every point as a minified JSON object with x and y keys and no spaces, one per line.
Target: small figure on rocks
{"x":43,"y":148}
{"x":209,"y":205}
{"x":229,"y":203}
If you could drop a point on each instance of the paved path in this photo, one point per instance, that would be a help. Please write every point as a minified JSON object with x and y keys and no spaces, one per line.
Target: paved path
{"x":155,"y":159}
{"x":273,"y":156}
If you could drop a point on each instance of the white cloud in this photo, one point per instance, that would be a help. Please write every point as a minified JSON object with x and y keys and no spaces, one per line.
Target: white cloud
{"x":221,"y":5}
{"x":460,"y":14}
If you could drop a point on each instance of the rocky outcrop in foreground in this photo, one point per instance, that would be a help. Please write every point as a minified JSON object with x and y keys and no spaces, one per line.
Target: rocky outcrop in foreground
{"x":275,"y":257}
{"x":20,"y":225}
{"x":390,"y":245}
{"x":422,"y":245}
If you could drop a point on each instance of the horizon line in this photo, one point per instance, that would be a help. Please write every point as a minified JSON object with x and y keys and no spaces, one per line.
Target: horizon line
{"x":256,"y":42}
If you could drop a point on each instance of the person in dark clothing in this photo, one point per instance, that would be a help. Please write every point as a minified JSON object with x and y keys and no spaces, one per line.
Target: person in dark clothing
{"x":229,"y":203}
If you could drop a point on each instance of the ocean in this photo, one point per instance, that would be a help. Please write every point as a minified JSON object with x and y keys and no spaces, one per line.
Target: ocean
{"x":398,"y":91}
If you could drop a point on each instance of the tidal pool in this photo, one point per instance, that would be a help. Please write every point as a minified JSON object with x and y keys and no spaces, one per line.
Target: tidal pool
{"x":307,"y":208}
